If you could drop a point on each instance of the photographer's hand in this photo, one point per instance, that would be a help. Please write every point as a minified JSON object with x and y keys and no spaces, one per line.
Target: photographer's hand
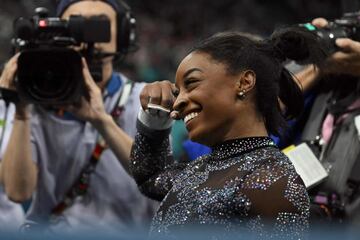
{"x":8,"y":74}
{"x":7,"y":81}
{"x":92,"y":109}
{"x":345,"y":61}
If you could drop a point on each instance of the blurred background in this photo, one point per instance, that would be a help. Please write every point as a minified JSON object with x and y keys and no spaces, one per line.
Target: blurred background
{"x":167,"y":29}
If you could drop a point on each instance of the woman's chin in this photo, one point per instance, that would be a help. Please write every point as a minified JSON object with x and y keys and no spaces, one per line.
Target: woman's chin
{"x":200,"y":139}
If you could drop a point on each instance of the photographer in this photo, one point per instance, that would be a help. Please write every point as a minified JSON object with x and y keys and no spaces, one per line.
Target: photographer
{"x":331,"y":129}
{"x":60,"y":159}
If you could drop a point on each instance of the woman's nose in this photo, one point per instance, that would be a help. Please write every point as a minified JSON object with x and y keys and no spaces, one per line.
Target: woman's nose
{"x":180,"y":103}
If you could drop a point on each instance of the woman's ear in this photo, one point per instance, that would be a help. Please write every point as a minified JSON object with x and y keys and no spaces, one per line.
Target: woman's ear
{"x":245,"y":83}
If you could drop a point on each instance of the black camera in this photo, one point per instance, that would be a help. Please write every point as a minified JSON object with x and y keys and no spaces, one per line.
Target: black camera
{"x":49,"y":69}
{"x":348,"y":26}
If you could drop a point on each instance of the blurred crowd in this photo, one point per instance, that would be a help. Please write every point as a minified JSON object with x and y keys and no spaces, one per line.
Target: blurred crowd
{"x":166,"y":31}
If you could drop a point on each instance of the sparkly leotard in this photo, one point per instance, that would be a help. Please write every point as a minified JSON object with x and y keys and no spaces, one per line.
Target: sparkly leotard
{"x":244,"y":186}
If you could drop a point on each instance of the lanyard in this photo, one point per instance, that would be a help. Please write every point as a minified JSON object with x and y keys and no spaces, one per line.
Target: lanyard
{"x":81,"y":185}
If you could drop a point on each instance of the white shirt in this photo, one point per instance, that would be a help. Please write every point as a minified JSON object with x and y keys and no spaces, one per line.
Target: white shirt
{"x":61,"y":149}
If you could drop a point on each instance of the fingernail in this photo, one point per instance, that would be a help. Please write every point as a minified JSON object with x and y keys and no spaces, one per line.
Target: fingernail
{"x":174,"y":115}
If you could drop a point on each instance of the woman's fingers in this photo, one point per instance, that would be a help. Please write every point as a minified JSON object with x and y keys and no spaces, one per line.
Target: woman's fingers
{"x":158,"y":96}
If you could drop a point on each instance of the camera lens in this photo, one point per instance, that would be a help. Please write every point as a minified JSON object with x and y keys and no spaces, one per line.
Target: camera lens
{"x":50,"y":76}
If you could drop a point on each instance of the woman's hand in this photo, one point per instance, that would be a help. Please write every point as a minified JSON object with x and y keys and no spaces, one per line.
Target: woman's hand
{"x":158,"y":98}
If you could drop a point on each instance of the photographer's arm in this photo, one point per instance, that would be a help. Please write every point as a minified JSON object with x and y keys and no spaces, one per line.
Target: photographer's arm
{"x":118,"y":141}
{"x":18,"y":171}
{"x":92,"y":110}
{"x":307,"y":77}
{"x":346,"y":60}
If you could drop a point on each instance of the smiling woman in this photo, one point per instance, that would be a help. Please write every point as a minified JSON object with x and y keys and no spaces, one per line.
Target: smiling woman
{"x":227,"y":92}
{"x":204,"y":94}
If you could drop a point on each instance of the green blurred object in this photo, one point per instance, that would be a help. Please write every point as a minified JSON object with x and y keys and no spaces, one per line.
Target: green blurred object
{"x":149,"y":74}
{"x":178,"y":135}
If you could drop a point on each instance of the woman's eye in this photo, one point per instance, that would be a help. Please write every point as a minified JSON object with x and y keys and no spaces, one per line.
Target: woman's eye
{"x":189,"y":82}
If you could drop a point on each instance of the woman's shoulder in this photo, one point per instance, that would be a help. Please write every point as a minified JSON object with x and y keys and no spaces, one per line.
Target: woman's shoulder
{"x":266,"y":166}
{"x":273,"y":186}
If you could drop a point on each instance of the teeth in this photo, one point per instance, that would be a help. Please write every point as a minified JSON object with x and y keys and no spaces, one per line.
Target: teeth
{"x":190,"y":116}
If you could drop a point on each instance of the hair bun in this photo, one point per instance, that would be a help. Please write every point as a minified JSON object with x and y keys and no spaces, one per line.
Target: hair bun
{"x":298,"y":44}
{"x":279,"y":53}
{"x":291,"y":44}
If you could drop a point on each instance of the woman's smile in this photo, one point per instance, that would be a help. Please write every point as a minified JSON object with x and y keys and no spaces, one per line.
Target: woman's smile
{"x":190,"y":117}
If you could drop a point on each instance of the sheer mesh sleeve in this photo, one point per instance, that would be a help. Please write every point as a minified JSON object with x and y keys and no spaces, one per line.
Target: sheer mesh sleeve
{"x":153,"y":166}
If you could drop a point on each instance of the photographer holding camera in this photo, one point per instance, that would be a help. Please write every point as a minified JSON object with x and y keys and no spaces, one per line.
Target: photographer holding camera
{"x":344,"y":61}
{"x":56,"y":153}
{"x":332,"y":129}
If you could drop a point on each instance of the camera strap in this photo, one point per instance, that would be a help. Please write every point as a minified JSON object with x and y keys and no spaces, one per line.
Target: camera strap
{"x":81,"y":185}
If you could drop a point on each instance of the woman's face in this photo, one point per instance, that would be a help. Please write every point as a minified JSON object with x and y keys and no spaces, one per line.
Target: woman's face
{"x":207,"y":98}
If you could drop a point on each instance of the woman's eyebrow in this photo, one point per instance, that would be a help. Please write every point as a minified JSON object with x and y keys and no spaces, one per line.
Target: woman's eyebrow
{"x":187,"y":73}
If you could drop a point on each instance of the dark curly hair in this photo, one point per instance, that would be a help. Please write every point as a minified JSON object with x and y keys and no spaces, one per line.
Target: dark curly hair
{"x":240,"y":52}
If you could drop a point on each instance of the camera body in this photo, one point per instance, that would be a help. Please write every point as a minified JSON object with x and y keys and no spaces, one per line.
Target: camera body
{"x":348,"y":26}
{"x":49,"y":69}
